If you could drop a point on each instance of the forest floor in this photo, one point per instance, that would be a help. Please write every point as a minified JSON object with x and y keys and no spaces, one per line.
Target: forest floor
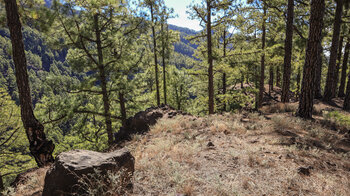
{"x":241,"y":154}
{"x":266,"y":153}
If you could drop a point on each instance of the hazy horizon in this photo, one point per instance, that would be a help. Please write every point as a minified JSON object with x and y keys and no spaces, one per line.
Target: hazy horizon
{"x":180,"y":8}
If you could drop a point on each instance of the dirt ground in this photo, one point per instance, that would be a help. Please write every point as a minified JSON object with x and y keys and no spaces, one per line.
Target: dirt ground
{"x":241,"y":154}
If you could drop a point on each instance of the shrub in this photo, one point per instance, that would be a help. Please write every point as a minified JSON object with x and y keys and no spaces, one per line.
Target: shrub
{"x":339,"y":118}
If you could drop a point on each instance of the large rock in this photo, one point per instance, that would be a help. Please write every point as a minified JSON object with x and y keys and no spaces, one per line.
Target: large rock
{"x":141,"y":122}
{"x":77,"y":171}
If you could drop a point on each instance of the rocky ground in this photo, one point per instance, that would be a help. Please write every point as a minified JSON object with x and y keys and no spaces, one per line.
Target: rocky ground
{"x":266,"y":153}
{"x":241,"y":154}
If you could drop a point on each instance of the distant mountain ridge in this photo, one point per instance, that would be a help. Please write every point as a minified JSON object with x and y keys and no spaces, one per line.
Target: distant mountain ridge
{"x":43,"y":60}
{"x":184,"y":46}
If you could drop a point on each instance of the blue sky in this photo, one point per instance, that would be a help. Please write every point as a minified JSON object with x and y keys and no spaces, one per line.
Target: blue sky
{"x":180,"y":8}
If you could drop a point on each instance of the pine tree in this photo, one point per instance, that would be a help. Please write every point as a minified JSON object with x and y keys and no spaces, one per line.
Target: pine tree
{"x":154,"y":6}
{"x":331,"y":82}
{"x":204,"y":13}
{"x":344,"y":69}
{"x":165,"y":42}
{"x":318,"y":73}
{"x":262,"y":61}
{"x":103,"y":39}
{"x":288,"y":52}
{"x":312,"y":53}
{"x":346,"y":105}
{"x":40,"y":147}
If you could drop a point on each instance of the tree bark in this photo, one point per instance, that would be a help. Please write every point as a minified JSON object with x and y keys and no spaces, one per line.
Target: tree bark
{"x":122,"y":108}
{"x":155,"y":54}
{"x":210,"y":60}
{"x":262,"y":68}
{"x":271,"y":80}
{"x":103,"y":79}
{"x":224,"y":74}
{"x":288,"y":52}
{"x":340,"y":48}
{"x":1,"y":184}
{"x":318,"y":93}
{"x":224,"y":86}
{"x":346,"y":105}
{"x":298,"y":83}
{"x":40,"y":147}
{"x":278,"y":76}
{"x":177,"y":97}
{"x":163,"y":60}
{"x":344,"y":69}
{"x":331,"y":84}
{"x":312,"y":52}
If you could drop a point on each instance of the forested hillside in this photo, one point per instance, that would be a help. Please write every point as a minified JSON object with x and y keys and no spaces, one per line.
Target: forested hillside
{"x":43,"y":59}
{"x":78,"y":74}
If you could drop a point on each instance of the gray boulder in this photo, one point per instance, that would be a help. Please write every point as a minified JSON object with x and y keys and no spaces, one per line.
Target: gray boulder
{"x":142,"y":121}
{"x":83,"y":172}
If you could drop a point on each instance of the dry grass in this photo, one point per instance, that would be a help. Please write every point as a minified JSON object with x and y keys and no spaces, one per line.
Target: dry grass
{"x":280,"y":108}
{"x":174,"y":158}
{"x":31,"y":186}
{"x":238,"y":154}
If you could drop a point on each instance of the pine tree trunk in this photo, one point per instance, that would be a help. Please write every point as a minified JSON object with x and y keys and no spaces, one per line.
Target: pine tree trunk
{"x":177,"y":97}
{"x":271,"y":80}
{"x":1,"y":184}
{"x":312,"y":52}
{"x":262,"y":68}
{"x":103,"y":80}
{"x":346,"y":105}
{"x":224,"y":74}
{"x":344,"y":69}
{"x":40,"y":147}
{"x":210,"y":60}
{"x":247,"y":78}
{"x":278,"y":76}
{"x":288,"y":52}
{"x":180,"y":99}
{"x":224,"y":87}
{"x":298,"y":83}
{"x":155,"y":55}
{"x":331,"y":83}
{"x":318,"y":93}
{"x":122,"y":108}
{"x":338,"y":65}
{"x":163,"y":60}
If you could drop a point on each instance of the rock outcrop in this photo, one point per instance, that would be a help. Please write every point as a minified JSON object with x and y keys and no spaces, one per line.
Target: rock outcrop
{"x":78,"y":171}
{"x":141,"y":122}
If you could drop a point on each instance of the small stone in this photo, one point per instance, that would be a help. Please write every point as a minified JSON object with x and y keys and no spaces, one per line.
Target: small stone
{"x":305,"y":170}
{"x":254,"y":141}
{"x":245,"y":120}
{"x":331,"y":164}
{"x":210,"y":144}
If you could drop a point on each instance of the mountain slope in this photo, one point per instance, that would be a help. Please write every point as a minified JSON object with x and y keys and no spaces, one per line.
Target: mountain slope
{"x":235,"y":154}
{"x":224,"y":155}
{"x":42,"y":59}
{"x":184,"y":46}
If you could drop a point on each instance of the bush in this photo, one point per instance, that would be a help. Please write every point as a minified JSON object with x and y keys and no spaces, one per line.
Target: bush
{"x":339,"y":118}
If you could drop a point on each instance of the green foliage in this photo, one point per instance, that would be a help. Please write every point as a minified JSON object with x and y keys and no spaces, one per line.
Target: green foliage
{"x":339,"y":118}
{"x":14,"y":151}
{"x":62,"y":57}
{"x":237,"y":99}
